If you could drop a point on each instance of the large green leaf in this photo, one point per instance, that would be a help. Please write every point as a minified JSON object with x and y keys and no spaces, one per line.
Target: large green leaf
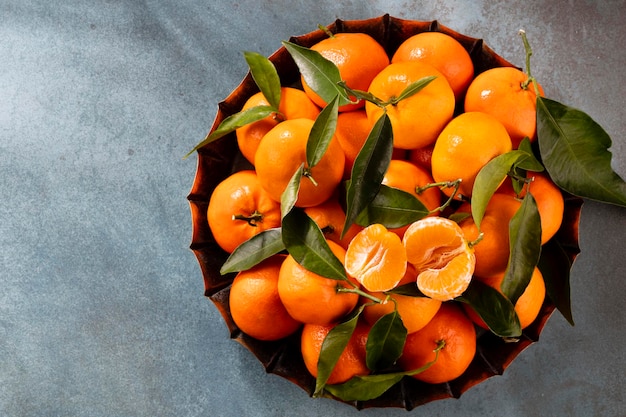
{"x":320,"y":74}
{"x":234,"y":122}
{"x":289,"y":197}
{"x":332,"y":347}
{"x":574,"y":150}
{"x":392,"y":208}
{"x":367,"y":387}
{"x":265,"y":76}
{"x":254,"y":250}
{"x":385,"y":341}
{"x":491,"y":176}
{"x":525,"y":244}
{"x":369,"y":169}
{"x":495,"y":309}
{"x":306,"y":243}
{"x":322,"y":133}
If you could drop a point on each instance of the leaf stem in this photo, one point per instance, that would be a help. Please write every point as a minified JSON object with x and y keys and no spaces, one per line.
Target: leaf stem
{"x":529,"y":53}
{"x":443,"y":184}
{"x":326,"y":31}
{"x":355,"y":290}
{"x":307,"y":173}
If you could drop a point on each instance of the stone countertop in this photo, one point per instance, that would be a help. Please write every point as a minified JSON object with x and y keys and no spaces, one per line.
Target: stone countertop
{"x":102,"y":310}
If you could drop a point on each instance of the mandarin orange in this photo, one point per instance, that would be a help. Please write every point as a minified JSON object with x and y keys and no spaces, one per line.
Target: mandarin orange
{"x":240,"y":208}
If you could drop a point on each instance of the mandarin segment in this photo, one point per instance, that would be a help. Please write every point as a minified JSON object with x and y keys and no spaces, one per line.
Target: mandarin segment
{"x":376,"y":258}
{"x":444,"y":261}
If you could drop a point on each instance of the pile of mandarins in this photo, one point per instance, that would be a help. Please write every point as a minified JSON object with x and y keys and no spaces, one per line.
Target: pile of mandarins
{"x":329,"y":183}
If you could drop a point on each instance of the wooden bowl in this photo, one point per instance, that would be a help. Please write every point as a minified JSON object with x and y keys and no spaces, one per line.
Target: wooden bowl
{"x":221,"y":158}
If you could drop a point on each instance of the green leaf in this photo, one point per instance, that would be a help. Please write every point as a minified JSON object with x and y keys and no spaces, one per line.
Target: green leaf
{"x":289,"y":197}
{"x":234,"y":122}
{"x":555,"y":267}
{"x":369,"y":169}
{"x":412,"y":89}
{"x":392,"y":208}
{"x":334,"y":344}
{"x":254,"y":250}
{"x":489,"y":179}
{"x":525,"y":244}
{"x":322,"y":133}
{"x":306,"y":243}
{"x":494,"y":308}
{"x":531,"y":163}
{"x":574,"y":150}
{"x":320,"y":74}
{"x":385,"y":341}
{"x":368,"y":387}
{"x":364,"y":388}
{"x":265,"y":76}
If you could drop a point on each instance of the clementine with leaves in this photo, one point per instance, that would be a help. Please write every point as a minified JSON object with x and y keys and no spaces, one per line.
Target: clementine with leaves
{"x":312,"y":298}
{"x":358,"y":56}
{"x":352,"y":361}
{"x":281,"y":152}
{"x":294,"y":104}
{"x":527,"y":306}
{"x":492,"y":248}
{"x":415,"y":312}
{"x":418,"y":119}
{"x":549,"y":199}
{"x":330,"y":217}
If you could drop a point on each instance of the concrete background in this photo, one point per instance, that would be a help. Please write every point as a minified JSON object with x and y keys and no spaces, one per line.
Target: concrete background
{"x":101,"y":302}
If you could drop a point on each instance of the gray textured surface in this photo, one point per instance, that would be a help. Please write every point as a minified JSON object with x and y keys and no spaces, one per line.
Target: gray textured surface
{"x":101,"y":306}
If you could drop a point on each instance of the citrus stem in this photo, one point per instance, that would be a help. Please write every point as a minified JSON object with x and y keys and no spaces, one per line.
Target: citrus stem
{"x":443,"y":184}
{"x":252,"y":219}
{"x":476,"y":241}
{"x":529,"y":53}
{"x":307,"y":173}
{"x":278,"y":117}
{"x":355,"y":290}
{"x":326,"y":31}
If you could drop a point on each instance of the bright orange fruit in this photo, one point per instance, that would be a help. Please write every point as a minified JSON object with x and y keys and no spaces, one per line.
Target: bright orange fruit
{"x":240,"y":208}
{"x":450,"y":327}
{"x":417,"y":120}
